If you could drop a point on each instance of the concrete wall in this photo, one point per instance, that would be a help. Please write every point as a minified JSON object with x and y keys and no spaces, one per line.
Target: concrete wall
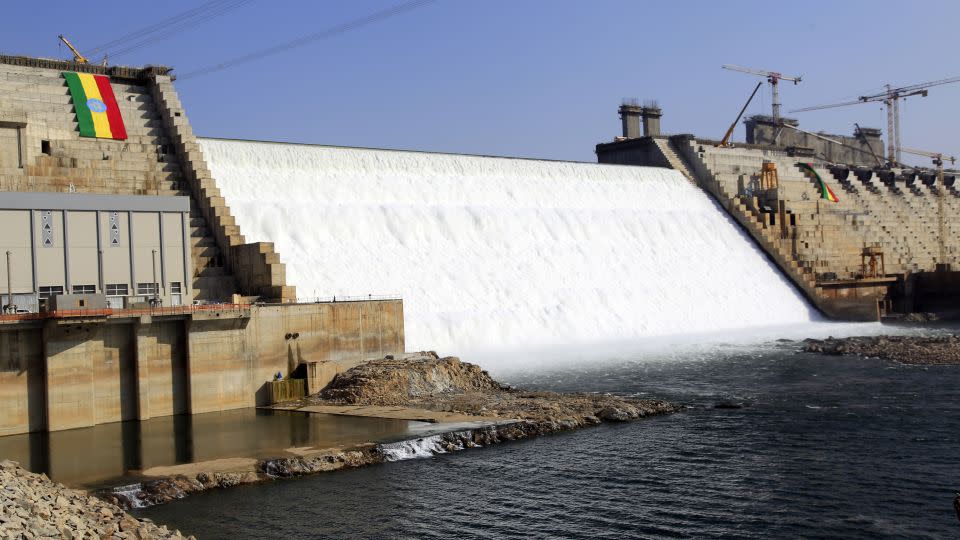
{"x":238,"y":357}
{"x":62,"y":374}
{"x":641,"y":151}
{"x":22,"y":384}
{"x":161,"y":367}
{"x":858,"y":149}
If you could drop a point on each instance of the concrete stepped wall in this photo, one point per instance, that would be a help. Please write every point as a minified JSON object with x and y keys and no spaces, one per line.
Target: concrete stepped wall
{"x":790,"y":245}
{"x":159,"y":157}
{"x":808,"y":247}
{"x":256,"y":267}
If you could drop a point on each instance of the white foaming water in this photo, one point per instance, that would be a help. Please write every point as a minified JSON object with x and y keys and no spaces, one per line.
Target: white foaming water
{"x":497,"y":253}
{"x":413,"y":449}
{"x":131,"y":494}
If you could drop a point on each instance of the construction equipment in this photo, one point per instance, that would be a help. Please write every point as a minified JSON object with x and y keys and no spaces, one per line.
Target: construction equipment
{"x":774,"y":79}
{"x":859,"y":133}
{"x":938,"y":159}
{"x":891,"y":100}
{"x":726,"y":136}
{"x":77,"y":57}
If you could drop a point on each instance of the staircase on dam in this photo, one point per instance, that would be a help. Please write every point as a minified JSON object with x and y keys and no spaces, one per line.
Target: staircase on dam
{"x":818,"y":244}
{"x":159,"y":157}
{"x":223,"y":260}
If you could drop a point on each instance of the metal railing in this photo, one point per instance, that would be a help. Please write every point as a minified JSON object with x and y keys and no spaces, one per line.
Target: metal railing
{"x":182,"y":310}
{"x":120,"y":313}
{"x":338,"y":298}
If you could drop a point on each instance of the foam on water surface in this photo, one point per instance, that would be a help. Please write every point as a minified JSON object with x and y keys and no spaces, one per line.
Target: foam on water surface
{"x":500,"y":253}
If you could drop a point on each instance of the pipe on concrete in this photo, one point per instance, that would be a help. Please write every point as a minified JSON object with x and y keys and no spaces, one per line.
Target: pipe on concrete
{"x":9,"y":282}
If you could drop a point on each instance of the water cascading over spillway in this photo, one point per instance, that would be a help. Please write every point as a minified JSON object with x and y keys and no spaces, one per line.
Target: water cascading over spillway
{"x":500,"y":253}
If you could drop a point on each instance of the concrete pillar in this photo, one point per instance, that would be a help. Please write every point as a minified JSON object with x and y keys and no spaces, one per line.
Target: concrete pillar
{"x":630,"y":116}
{"x":162,"y":385}
{"x":68,"y":356}
{"x":651,"y":120}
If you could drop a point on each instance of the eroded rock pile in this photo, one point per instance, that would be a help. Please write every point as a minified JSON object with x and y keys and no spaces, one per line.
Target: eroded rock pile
{"x":903,"y":349}
{"x":447,"y":384}
{"x":33,"y":506}
{"x":388,"y":381}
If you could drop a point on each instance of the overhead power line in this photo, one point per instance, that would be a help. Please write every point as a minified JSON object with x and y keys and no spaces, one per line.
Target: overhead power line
{"x":175,"y":30}
{"x":167,"y":27}
{"x":310,"y":38}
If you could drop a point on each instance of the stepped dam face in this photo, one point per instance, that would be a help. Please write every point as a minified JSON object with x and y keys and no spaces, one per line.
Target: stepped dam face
{"x":493,"y":253}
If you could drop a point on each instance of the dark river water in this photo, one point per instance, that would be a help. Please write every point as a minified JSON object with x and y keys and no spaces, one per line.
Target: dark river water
{"x":823,"y":447}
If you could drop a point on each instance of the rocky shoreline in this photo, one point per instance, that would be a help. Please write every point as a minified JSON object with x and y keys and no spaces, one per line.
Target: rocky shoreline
{"x":914,"y":350}
{"x":33,"y":506}
{"x":426,"y":382}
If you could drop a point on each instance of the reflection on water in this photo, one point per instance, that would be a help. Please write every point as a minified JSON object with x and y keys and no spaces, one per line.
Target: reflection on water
{"x":109,"y":453}
{"x":823,"y":447}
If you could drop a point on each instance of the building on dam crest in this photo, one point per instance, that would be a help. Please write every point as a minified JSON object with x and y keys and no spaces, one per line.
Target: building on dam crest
{"x":128,"y":289}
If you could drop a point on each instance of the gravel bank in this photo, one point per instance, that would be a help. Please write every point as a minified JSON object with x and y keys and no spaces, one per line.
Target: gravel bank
{"x":33,"y":506}
{"x":919,"y":350}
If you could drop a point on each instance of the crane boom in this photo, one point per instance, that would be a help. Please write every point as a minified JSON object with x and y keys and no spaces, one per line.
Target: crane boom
{"x":891,"y":100}
{"x":910,"y":88}
{"x":773,"y":78}
{"x":726,"y":136}
{"x":830,"y":106}
{"x":760,"y":72}
{"x":77,"y":57}
{"x":935,"y":155}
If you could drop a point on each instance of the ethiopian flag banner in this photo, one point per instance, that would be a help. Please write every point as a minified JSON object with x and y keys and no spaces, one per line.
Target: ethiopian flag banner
{"x":825,"y":191}
{"x":97,"y":112}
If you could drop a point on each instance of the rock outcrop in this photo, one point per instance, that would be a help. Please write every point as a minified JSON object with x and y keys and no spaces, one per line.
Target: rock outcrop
{"x":33,"y":506}
{"x":902,"y":349}
{"x":446,"y":384}
{"x":389,"y":381}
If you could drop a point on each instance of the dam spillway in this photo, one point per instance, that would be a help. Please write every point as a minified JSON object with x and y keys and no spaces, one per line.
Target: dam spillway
{"x":496,"y":252}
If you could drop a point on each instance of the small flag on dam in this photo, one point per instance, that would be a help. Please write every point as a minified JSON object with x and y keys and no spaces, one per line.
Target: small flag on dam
{"x":97,"y":112}
{"x":825,"y":191}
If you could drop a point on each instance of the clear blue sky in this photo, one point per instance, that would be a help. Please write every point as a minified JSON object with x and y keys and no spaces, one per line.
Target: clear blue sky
{"x":525,"y":78}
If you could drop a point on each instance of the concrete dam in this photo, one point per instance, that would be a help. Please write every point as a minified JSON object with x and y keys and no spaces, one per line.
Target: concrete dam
{"x":492,"y":252}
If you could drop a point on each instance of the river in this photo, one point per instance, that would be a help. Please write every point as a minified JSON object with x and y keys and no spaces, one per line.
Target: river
{"x":818,"y":447}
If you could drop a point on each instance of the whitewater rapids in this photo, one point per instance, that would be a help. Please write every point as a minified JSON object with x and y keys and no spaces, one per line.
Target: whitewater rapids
{"x":502,"y":253}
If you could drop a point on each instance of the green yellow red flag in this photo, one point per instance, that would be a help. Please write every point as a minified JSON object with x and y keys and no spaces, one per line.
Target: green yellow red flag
{"x":825,"y":191}
{"x":97,"y":112}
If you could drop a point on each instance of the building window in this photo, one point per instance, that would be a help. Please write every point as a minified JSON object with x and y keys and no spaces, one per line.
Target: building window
{"x":176,"y":293}
{"x":145,"y":289}
{"x":84,"y":289}
{"x":117,"y":289}
{"x":49,"y":290}
{"x":45,"y":147}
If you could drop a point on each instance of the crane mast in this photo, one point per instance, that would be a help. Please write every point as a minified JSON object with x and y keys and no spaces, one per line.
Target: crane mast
{"x":773,"y":78}
{"x":938,"y":159}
